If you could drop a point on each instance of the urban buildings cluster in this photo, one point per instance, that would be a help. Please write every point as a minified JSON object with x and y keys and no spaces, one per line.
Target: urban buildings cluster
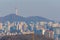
{"x":50,"y":29}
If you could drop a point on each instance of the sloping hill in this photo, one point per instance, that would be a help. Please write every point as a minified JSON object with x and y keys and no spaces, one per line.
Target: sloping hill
{"x":16,"y":18}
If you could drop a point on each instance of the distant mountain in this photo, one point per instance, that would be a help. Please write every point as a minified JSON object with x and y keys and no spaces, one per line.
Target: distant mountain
{"x":37,"y":19}
{"x":16,"y":18}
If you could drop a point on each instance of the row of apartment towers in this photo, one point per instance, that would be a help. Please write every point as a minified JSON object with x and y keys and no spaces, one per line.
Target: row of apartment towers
{"x":22,"y":26}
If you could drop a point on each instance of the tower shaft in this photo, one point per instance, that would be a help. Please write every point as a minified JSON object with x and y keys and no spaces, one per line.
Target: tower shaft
{"x":16,"y":11}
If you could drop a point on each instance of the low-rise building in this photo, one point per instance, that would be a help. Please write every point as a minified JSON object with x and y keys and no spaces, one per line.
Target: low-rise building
{"x":49,"y":33}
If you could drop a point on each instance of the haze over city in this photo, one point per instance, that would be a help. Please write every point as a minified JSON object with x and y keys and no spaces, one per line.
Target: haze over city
{"x":46,"y":8}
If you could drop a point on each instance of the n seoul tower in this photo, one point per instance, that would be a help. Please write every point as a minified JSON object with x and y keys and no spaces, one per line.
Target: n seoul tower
{"x":16,"y":7}
{"x":16,"y":11}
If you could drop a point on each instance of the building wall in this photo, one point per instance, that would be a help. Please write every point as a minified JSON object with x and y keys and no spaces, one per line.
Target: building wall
{"x":1,"y":26}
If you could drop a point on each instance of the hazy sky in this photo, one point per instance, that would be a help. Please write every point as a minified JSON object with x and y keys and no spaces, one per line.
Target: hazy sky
{"x":45,"y":8}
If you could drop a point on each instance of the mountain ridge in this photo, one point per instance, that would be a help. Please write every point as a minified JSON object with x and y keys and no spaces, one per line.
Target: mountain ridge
{"x":14,"y":17}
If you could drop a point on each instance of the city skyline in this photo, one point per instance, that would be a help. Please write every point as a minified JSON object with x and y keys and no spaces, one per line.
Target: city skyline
{"x":48,"y":9}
